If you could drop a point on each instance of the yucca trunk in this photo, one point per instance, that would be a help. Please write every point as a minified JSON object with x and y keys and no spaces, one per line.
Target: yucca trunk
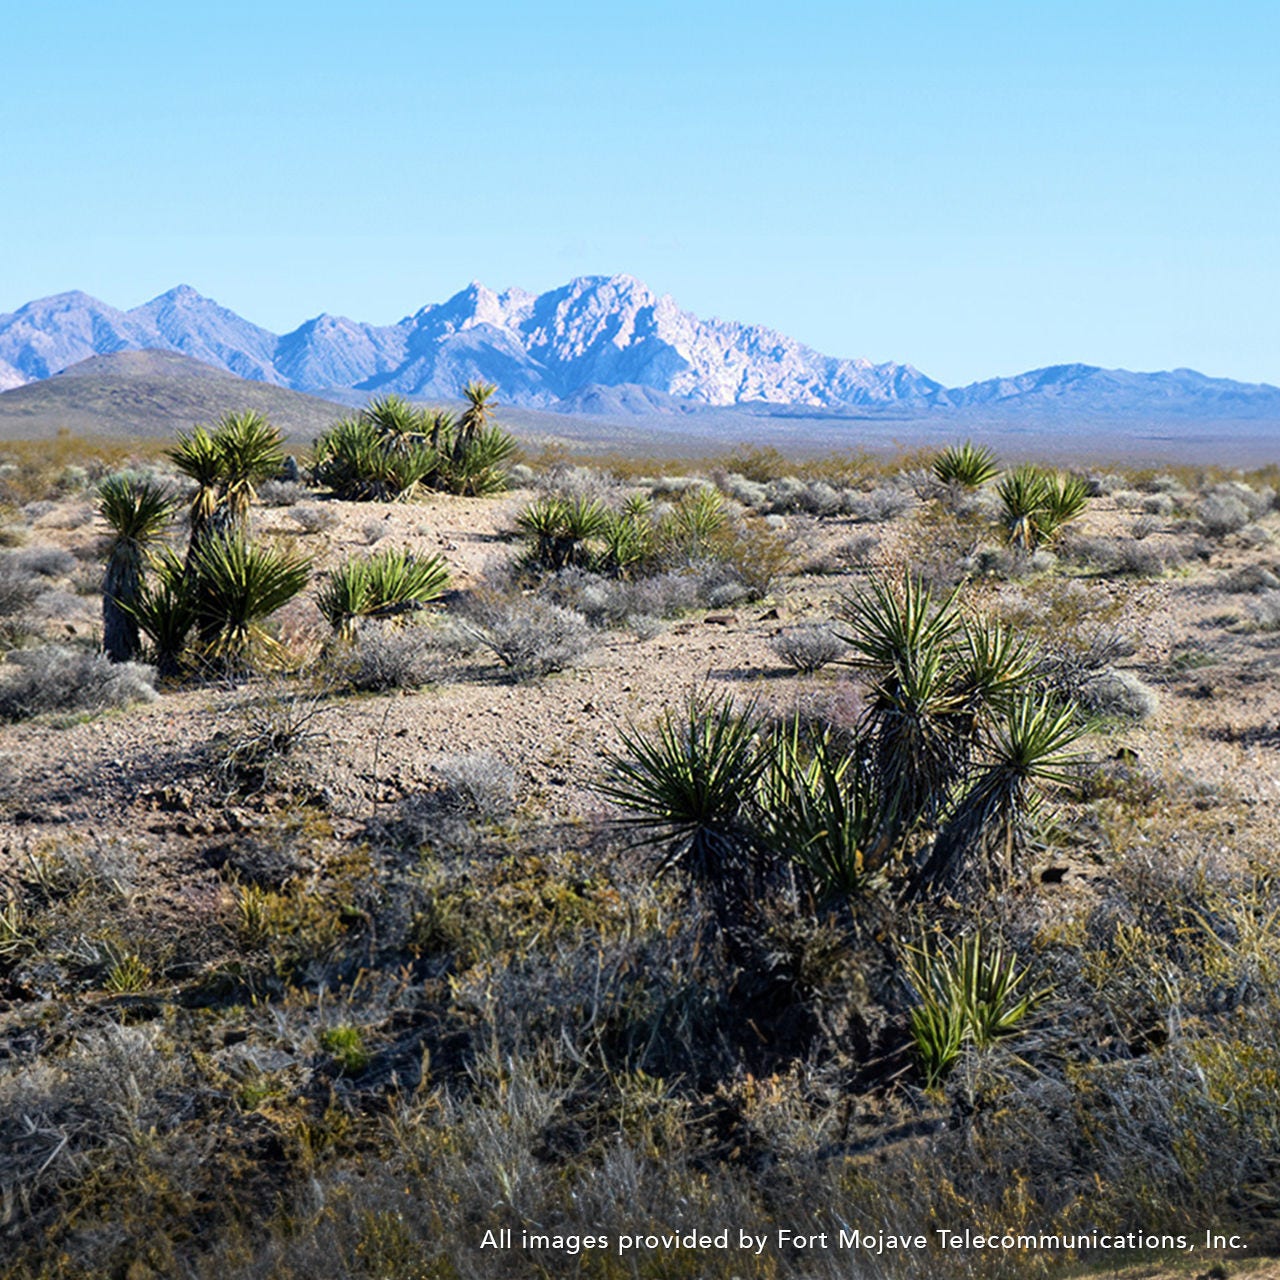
{"x":120,"y":589}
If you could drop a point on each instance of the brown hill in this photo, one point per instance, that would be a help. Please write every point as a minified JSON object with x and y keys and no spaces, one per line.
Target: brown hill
{"x":151,"y":394}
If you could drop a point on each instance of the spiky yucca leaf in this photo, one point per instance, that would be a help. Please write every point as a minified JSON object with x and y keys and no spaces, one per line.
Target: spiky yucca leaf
{"x":475,"y":417}
{"x":476,"y":465}
{"x":918,"y":717}
{"x":996,"y":665}
{"x":165,"y":610}
{"x":398,"y":423}
{"x":1066,"y":497}
{"x":237,"y":586}
{"x":1027,"y":748}
{"x":354,"y":460}
{"x":199,"y":456}
{"x":627,"y":540}
{"x":251,"y":451}
{"x":379,"y":586}
{"x":892,"y":627}
{"x":690,"y":784}
{"x":968,"y":993}
{"x":968,"y":464}
{"x":1024,"y":493}
{"x":691,"y":529}
{"x":820,"y":809}
{"x":560,"y":529}
{"x":1037,"y":504}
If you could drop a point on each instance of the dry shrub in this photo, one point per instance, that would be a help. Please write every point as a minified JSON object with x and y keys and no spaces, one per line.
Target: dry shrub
{"x":315,"y":519}
{"x":478,"y":784}
{"x":387,"y":656}
{"x":808,"y":648}
{"x":530,"y":636}
{"x":54,"y":678}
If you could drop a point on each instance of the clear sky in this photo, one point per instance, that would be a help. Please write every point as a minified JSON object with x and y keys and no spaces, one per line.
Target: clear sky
{"x":975,"y":188}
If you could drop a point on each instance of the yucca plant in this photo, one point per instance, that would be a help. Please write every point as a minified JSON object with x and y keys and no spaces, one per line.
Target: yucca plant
{"x":441,"y":428}
{"x":137,"y":511}
{"x":626,"y":541}
{"x":237,"y":585}
{"x":541,"y":522}
{"x":1027,"y":748}
{"x":968,"y":465}
{"x":995,"y":665}
{"x":561,"y":529}
{"x":918,"y":716}
{"x":477,"y":464}
{"x":1024,"y":493}
{"x":820,"y":809}
{"x":1037,"y":504}
{"x":382,"y":585}
{"x":199,"y":457}
{"x":251,"y":451}
{"x":969,"y":994}
{"x":691,"y":529}
{"x":1066,"y":497}
{"x":165,"y":610}
{"x":399,"y":424}
{"x":354,"y":460}
{"x":690,"y":786}
{"x":476,"y":416}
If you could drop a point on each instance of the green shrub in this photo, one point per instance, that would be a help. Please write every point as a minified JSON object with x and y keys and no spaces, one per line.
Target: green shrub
{"x":346,"y":1045}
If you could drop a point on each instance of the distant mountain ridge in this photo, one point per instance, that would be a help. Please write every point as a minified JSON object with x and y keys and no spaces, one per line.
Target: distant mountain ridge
{"x":601,"y":345}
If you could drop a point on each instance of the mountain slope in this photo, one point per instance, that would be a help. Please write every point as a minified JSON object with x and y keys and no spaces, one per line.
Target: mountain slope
{"x":595,"y":331}
{"x":612,"y":348}
{"x":150,"y":394}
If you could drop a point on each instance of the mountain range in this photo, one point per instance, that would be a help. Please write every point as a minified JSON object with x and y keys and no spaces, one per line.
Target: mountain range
{"x":604,"y":346}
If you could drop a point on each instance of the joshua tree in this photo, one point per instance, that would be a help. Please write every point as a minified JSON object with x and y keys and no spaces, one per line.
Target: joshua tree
{"x":137,"y":510}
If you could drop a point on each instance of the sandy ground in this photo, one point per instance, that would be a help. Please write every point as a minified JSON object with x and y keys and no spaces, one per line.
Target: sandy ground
{"x":1218,"y":724}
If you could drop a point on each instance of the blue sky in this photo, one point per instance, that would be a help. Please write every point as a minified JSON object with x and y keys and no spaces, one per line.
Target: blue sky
{"x":976,"y":188}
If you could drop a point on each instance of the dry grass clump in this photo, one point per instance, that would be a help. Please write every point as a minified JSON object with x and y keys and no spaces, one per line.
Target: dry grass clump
{"x":283,"y":493}
{"x":878,"y":506}
{"x":1264,"y":610}
{"x":264,"y":731}
{"x":1135,"y":556}
{"x":1120,"y":695}
{"x":315,"y":519}
{"x":19,"y":589}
